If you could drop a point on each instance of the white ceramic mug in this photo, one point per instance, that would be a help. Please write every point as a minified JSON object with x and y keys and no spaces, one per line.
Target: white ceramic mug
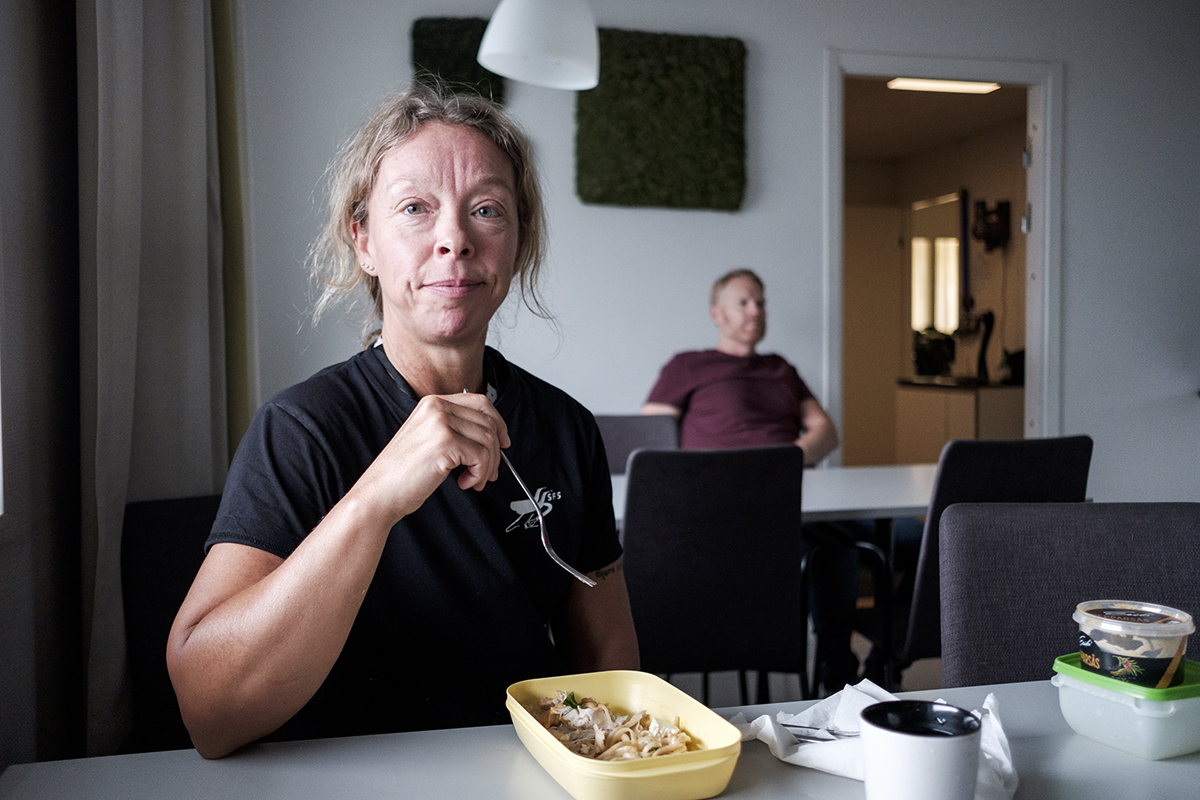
{"x":919,"y":750}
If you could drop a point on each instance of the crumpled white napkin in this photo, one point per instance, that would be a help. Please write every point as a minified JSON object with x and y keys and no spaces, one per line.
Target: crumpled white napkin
{"x":997,"y":778}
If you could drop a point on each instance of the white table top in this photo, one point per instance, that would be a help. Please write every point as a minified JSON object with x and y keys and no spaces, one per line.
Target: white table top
{"x":1052,"y":762}
{"x":835,"y":493}
{"x":838,"y":493}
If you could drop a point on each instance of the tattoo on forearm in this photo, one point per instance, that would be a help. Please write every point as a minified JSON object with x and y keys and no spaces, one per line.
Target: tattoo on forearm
{"x":611,"y":569}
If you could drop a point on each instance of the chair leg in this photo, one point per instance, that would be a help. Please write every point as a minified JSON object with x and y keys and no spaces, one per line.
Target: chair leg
{"x":807,"y":682}
{"x":818,"y":673}
{"x":819,"y":677}
{"x":883,"y":605}
{"x":764,"y":687}
{"x":885,"y":537}
{"x":743,"y":691}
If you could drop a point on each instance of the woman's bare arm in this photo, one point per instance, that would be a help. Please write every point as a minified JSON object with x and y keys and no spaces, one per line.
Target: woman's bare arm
{"x":257,"y":635}
{"x":594,"y":628}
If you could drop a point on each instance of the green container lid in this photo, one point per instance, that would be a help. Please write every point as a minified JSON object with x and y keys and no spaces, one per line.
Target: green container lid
{"x":1069,"y":665}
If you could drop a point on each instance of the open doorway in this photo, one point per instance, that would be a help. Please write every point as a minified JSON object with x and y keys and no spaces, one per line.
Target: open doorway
{"x":917,"y":166}
{"x":1036,"y":281}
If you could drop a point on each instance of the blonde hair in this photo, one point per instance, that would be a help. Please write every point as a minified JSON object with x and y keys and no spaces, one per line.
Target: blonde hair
{"x":351,"y":177}
{"x":723,"y":281}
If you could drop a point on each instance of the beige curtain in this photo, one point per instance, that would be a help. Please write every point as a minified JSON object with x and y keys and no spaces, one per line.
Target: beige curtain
{"x":152,"y":296}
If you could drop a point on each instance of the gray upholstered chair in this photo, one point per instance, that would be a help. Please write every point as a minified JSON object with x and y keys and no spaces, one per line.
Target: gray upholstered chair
{"x":1013,"y":573}
{"x":1053,"y":470}
{"x":623,"y":434}
{"x":712,"y":558}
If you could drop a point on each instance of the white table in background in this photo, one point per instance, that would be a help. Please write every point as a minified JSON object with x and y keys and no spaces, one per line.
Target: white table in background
{"x":839,"y":493}
{"x":1052,"y":761}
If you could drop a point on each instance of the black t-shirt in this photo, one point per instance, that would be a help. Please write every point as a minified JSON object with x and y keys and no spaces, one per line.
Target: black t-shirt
{"x":460,"y":603}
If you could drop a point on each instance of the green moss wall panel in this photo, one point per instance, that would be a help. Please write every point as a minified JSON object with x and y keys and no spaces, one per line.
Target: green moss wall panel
{"x":447,"y":46}
{"x":666,"y":125}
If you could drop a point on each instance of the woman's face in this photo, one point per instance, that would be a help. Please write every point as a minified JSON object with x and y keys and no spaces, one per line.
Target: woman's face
{"x":441,"y":235}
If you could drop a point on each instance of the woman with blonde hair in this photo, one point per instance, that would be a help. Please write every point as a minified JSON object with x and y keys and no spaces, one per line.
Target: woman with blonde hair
{"x":374,"y":567}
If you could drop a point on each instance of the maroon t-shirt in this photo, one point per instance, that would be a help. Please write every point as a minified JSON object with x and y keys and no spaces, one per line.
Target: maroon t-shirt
{"x":732,"y":401}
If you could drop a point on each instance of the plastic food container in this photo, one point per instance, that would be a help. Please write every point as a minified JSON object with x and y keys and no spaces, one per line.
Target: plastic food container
{"x":692,"y":775}
{"x":1149,"y":723}
{"x":1139,"y":643}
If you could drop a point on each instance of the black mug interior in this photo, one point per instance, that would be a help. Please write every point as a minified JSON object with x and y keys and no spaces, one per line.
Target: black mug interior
{"x":921,"y":718}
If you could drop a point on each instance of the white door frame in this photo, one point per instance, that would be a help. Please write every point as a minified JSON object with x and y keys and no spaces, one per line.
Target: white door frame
{"x":1043,"y":280}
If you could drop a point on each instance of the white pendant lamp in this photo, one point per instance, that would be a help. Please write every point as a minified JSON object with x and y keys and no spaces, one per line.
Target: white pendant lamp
{"x":551,"y":43}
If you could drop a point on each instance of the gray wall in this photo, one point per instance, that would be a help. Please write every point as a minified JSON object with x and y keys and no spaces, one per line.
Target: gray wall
{"x":40,"y":678}
{"x":629,"y":285}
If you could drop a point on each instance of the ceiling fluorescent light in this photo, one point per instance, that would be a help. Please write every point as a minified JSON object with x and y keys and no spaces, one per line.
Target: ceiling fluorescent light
{"x":552,"y":43}
{"x":926,"y":85}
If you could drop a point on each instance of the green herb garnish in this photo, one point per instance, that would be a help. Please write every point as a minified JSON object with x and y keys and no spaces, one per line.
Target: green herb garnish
{"x":571,"y":702}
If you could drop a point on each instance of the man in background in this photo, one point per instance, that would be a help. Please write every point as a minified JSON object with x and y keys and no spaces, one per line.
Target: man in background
{"x":733,"y":396}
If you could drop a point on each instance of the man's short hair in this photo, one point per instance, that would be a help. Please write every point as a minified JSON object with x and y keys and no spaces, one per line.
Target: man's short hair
{"x":721,"y":282}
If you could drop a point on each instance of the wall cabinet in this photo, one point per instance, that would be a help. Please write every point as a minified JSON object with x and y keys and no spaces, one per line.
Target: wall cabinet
{"x":929,"y":414}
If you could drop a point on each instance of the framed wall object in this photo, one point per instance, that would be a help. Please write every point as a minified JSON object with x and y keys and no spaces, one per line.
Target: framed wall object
{"x":666,"y":125}
{"x":446,"y":47}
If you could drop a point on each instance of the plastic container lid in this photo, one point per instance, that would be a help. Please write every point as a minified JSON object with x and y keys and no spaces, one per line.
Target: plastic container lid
{"x":1130,"y":618}
{"x":1069,"y":665}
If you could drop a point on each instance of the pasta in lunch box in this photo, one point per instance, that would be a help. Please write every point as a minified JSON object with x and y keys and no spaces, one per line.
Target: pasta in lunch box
{"x":591,"y":729}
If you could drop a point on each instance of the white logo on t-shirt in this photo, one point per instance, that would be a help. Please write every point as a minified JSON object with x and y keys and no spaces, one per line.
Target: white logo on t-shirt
{"x":526,"y":514}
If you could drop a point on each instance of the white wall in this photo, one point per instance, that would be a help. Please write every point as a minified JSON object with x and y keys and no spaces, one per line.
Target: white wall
{"x":629,"y":285}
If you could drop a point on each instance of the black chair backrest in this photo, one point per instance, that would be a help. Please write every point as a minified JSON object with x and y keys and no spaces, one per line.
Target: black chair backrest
{"x":623,"y":434}
{"x":162,"y":547}
{"x":1053,"y":470}
{"x":1012,"y":575}
{"x":712,"y":559}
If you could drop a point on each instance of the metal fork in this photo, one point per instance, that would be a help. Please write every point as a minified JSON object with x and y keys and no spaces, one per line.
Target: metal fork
{"x":812,"y":737}
{"x":542,"y":524}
